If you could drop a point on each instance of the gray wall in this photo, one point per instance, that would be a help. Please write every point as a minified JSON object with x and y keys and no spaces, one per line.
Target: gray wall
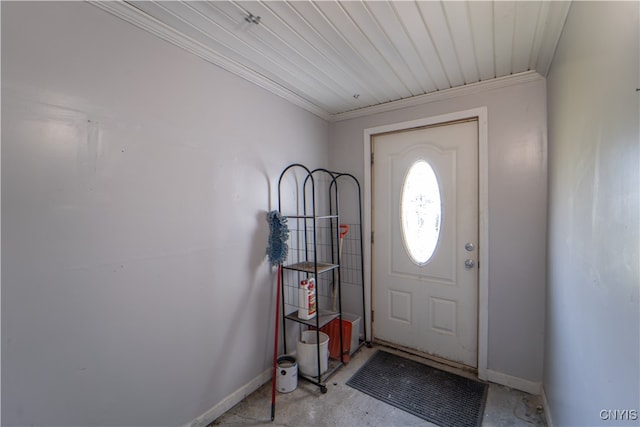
{"x":135,"y":181}
{"x":517,"y":215}
{"x":592,"y":358}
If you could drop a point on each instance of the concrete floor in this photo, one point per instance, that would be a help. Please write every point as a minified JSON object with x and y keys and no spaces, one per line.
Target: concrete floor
{"x":345,"y":406}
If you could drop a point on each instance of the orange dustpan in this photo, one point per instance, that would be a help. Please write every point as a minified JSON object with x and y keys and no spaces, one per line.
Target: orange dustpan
{"x":333,"y":330}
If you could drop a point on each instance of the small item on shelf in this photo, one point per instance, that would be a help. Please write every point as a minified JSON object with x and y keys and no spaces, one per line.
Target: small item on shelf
{"x":307,"y":299}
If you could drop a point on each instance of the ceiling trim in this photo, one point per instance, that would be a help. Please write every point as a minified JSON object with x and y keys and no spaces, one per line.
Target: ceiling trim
{"x":140,"y":19}
{"x":137,"y":17}
{"x":470,"y":89}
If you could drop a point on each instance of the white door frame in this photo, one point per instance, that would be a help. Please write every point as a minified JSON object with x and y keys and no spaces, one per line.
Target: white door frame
{"x":483,"y":225}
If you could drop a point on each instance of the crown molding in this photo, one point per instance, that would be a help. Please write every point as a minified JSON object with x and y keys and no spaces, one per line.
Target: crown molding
{"x":135,"y":16}
{"x":470,"y":89}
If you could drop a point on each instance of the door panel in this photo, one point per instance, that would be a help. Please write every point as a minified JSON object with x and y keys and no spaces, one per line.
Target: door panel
{"x":431,"y":305}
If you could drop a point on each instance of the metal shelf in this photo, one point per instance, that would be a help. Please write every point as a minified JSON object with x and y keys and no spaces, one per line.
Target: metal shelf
{"x":324,"y":318}
{"x":311,"y":216}
{"x":315,"y":249}
{"x":310,"y":267}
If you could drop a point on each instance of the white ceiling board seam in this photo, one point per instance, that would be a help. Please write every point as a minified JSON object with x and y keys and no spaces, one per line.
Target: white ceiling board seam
{"x":524,"y":34}
{"x":440,"y":34}
{"x":435,"y":48}
{"x":493,"y":39}
{"x":401,"y":40}
{"x":469,"y":76}
{"x":345,"y":55}
{"x":292,"y":69}
{"x":401,"y":89}
{"x":513,"y":36}
{"x":351,"y":78}
{"x":319,"y":75}
{"x":423,"y":42}
{"x":537,"y":40}
{"x":504,"y":25}
{"x":416,"y":85}
{"x":475,"y":51}
{"x":425,"y":68}
{"x":389,"y":91}
{"x":481,"y":24}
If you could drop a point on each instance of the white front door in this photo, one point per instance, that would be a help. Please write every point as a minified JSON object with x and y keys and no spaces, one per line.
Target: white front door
{"x":425,"y":247}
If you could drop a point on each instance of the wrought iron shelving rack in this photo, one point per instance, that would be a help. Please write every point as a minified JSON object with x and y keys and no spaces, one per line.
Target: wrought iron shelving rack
{"x":311,"y":207}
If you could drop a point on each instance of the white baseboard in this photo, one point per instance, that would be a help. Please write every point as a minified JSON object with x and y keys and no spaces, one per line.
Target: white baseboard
{"x":230,"y":401}
{"x":547,"y":409}
{"x":521,"y":384}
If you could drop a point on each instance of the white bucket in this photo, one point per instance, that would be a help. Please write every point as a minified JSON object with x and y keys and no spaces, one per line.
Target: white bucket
{"x":307,"y":353}
{"x":287,"y":379}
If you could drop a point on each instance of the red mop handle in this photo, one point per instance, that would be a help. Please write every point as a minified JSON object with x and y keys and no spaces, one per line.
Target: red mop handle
{"x":344,"y":229}
{"x":275,"y":349}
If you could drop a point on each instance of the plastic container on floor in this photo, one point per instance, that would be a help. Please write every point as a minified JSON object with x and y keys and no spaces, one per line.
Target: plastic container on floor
{"x":307,"y":353}
{"x":355,"y":330}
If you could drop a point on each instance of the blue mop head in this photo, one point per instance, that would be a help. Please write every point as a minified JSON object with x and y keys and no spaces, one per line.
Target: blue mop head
{"x":277,"y":249}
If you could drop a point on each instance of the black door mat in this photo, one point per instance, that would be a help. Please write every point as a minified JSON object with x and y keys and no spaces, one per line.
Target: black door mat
{"x":440,"y":397}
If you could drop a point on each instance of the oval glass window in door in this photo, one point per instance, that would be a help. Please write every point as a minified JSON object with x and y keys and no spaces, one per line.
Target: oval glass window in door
{"x":420,"y":212}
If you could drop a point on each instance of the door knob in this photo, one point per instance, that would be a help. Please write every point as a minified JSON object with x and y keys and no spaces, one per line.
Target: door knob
{"x":469,"y":263}
{"x":469,"y":247}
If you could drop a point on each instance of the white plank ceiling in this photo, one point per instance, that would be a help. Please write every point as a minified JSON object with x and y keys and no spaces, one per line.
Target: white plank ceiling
{"x":337,"y":57}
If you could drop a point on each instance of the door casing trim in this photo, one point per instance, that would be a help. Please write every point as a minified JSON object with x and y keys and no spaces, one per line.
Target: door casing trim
{"x":483,"y":214}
